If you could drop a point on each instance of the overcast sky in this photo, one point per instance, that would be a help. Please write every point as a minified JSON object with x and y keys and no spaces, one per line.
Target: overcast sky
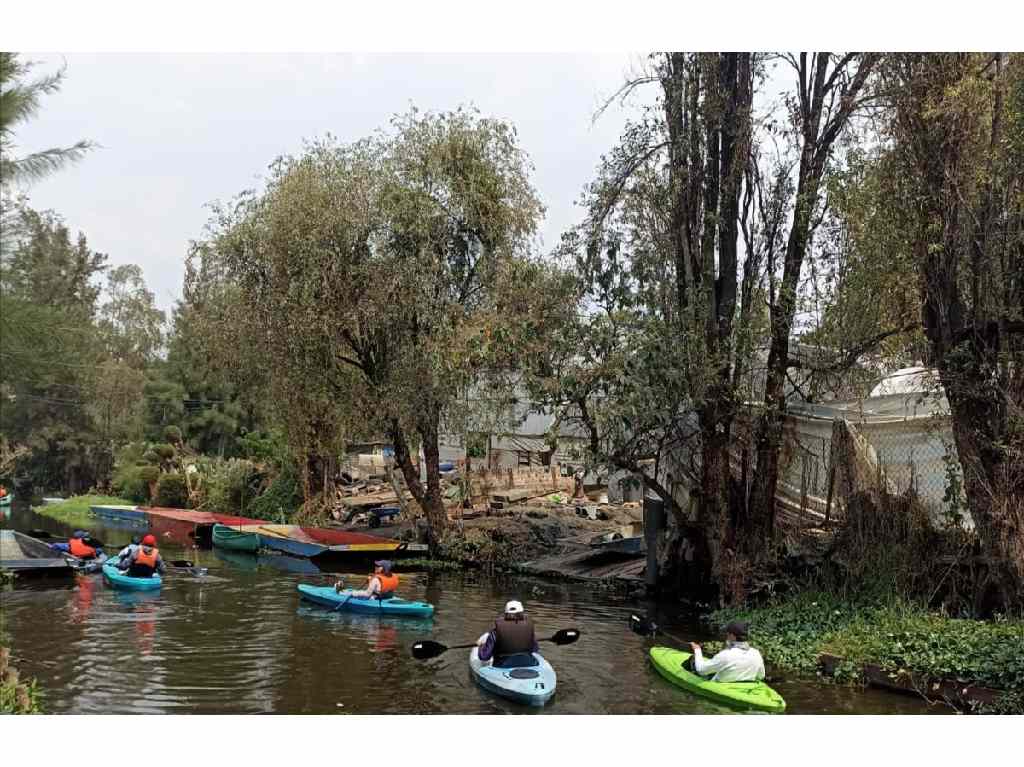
{"x":179,"y":131}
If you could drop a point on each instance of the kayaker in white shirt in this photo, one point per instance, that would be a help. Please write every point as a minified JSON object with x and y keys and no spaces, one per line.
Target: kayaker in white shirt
{"x":738,"y":662}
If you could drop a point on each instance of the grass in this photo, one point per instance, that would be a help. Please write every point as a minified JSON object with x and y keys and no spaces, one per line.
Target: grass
{"x":75,"y":511}
{"x":792,"y":633}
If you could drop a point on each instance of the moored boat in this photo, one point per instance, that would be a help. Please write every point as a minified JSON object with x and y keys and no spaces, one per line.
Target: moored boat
{"x":235,"y":540}
{"x":27,"y":556}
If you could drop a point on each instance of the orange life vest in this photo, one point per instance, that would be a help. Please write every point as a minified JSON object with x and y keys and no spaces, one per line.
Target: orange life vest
{"x":144,"y":559}
{"x":78,"y":548}
{"x":388,"y":583}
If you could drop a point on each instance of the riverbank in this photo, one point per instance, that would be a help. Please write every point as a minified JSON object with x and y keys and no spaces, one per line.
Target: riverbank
{"x":75,"y":510}
{"x":815,"y":632}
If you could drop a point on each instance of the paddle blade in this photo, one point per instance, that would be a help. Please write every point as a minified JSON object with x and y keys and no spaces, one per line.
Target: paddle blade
{"x":640,"y":625}
{"x":427,"y":649}
{"x":181,"y":563}
{"x":565,"y":636}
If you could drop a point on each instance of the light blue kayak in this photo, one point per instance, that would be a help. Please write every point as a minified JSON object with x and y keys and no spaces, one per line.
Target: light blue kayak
{"x":530,"y":684}
{"x":119,"y":580}
{"x":326,"y":596}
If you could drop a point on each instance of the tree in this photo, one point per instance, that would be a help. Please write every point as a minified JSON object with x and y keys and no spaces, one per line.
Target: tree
{"x":648,"y":368}
{"x":830,"y":88}
{"x":19,"y":102}
{"x":370,"y":270}
{"x":957,"y":131}
{"x":50,"y":352}
{"x":130,"y":323}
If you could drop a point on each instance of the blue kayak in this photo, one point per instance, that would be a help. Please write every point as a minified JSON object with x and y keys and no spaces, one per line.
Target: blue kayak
{"x":531,"y":681}
{"x":326,"y":596}
{"x":119,"y":580}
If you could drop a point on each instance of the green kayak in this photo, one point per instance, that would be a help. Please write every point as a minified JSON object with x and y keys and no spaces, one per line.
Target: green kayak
{"x":754,"y":696}
{"x":236,"y":540}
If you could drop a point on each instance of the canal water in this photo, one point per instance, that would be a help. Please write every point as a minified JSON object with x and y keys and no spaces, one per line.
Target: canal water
{"x":240,"y":641}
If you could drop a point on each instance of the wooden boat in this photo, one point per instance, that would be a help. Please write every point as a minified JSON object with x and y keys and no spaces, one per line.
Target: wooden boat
{"x":237,"y":540}
{"x":619,"y":545}
{"x":312,"y":542}
{"x":128,"y":513}
{"x":24,"y":555}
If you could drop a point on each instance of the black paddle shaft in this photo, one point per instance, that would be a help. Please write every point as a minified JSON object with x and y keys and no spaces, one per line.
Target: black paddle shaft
{"x":426,"y":649}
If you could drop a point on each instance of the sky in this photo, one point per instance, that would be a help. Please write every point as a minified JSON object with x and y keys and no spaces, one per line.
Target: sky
{"x":178,"y":131}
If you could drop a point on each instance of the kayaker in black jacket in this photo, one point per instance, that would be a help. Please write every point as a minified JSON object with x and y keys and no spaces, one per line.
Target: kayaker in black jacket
{"x":511,"y":636}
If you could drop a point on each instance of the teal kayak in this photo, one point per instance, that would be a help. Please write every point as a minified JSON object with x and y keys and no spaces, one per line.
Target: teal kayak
{"x":531,"y":682}
{"x":752,"y":696}
{"x":343,"y":600}
{"x":119,"y":580}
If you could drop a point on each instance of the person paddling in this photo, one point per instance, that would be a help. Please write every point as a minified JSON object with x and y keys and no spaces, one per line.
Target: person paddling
{"x":511,"y":638}
{"x":128,"y":550}
{"x":145,"y":560}
{"x":738,"y":662}
{"x":78,"y":546}
{"x":381,"y":584}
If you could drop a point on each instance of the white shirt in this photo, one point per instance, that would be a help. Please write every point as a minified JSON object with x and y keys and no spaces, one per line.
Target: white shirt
{"x":738,"y":662}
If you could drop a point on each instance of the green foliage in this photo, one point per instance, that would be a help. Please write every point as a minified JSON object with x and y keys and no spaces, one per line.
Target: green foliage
{"x":171,"y":491}
{"x":22,"y":97}
{"x":165,"y":451}
{"x":791,"y":633}
{"x":131,"y":326}
{"x":281,"y":499}
{"x":172,"y":434}
{"x":262,"y":446}
{"x":19,"y":698}
{"x":151,"y":457}
{"x":229,"y":486}
{"x":129,"y":482}
{"x":149,"y":473}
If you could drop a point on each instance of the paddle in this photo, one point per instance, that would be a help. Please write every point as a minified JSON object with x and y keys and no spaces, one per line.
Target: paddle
{"x":644,"y":627}
{"x":426,"y":649}
{"x":337,"y":590}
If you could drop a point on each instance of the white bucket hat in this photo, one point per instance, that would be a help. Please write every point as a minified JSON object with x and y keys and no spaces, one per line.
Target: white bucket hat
{"x":513,"y":608}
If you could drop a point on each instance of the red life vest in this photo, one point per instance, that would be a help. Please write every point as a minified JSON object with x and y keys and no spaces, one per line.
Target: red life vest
{"x":388,"y":583}
{"x":144,"y":559}
{"x":78,"y":548}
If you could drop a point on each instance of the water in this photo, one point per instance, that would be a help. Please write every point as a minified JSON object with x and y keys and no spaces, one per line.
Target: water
{"x":240,"y":641}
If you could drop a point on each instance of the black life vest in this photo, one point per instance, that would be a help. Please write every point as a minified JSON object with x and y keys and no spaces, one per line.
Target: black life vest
{"x":513,"y":637}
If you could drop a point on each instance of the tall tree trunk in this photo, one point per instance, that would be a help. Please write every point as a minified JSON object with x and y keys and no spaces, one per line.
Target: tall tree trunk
{"x":427,"y":496}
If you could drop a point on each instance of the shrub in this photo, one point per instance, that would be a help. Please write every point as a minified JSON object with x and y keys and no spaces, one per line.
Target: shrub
{"x":165,"y":451}
{"x":228,"y":485}
{"x":149,"y":473}
{"x":129,"y":482}
{"x":280,"y":500}
{"x":151,"y":458}
{"x":171,"y":490}
{"x":172,"y":434}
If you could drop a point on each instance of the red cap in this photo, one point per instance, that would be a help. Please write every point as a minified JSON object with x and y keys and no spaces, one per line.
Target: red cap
{"x":149,"y":540}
